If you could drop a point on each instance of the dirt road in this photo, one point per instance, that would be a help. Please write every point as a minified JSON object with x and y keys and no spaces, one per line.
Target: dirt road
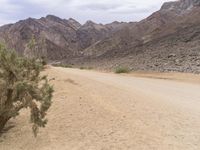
{"x":104,"y":111}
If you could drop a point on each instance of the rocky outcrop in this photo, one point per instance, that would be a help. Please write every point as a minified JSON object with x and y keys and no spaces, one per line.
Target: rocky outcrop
{"x":180,"y":6}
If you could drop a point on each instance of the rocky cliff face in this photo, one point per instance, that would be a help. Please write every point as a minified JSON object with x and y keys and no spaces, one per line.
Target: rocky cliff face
{"x":180,"y":6}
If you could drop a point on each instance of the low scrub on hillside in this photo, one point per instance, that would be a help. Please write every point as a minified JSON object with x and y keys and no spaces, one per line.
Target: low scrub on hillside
{"x":63,"y":65}
{"x":21,"y":86}
{"x":85,"y":68}
{"x":122,"y":70}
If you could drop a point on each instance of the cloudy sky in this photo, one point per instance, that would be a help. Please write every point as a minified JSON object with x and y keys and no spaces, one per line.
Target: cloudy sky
{"x":103,"y":11}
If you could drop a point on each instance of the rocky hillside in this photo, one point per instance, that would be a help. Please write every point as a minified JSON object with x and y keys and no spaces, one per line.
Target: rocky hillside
{"x":56,"y":38}
{"x":167,"y":40}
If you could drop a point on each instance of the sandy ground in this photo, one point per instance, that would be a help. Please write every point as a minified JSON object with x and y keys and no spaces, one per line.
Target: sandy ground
{"x":181,"y":77}
{"x":105,"y":111}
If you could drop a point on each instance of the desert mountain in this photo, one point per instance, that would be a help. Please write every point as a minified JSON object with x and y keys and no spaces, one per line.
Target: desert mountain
{"x":167,"y":40}
{"x":56,"y":38}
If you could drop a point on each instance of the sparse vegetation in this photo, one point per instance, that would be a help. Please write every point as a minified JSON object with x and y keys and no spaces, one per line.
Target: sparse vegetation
{"x":90,"y":68}
{"x":71,"y":66}
{"x":21,"y":86}
{"x":86,"y":68}
{"x":82,"y":68}
{"x":63,"y":65}
{"x":122,"y":70}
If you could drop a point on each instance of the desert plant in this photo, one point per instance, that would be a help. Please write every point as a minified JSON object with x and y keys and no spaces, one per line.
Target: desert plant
{"x":86,"y":68}
{"x":43,"y":61}
{"x":62,"y":65}
{"x":122,"y":70}
{"x":36,"y":49}
{"x":21,"y":86}
{"x":82,"y":68}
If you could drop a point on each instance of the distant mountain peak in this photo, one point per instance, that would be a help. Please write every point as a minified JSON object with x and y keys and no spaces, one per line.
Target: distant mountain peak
{"x":53,"y":18}
{"x":74,"y":23}
{"x":89,"y":23}
{"x":180,"y":6}
{"x":72,"y":20}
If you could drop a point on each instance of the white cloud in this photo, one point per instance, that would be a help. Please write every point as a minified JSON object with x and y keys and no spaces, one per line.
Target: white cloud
{"x":100,"y":11}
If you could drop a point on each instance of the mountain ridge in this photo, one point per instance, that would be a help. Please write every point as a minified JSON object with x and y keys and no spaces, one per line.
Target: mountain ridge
{"x":165,"y":32}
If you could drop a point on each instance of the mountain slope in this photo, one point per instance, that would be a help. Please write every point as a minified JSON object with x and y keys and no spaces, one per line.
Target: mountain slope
{"x":166,"y":21}
{"x":56,"y":38}
{"x":51,"y":34}
{"x":148,"y":45}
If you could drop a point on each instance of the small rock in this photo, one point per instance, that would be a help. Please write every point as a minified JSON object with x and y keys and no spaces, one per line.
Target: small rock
{"x":171,"y":55}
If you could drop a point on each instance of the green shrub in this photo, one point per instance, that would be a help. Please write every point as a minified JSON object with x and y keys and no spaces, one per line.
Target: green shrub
{"x":63,"y":65}
{"x":86,"y":68}
{"x":21,"y":86}
{"x":122,"y":70}
{"x":66,"y":66}
{"x":82,"y":68}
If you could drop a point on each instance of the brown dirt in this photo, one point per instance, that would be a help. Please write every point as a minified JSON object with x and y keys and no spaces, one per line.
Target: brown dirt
{"x":182,"y":77}
{"x":104,"y":111}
